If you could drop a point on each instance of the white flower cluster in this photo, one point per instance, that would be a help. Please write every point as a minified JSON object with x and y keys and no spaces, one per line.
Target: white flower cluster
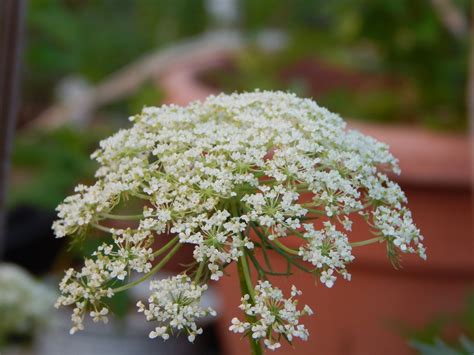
{"x":217,"y":238}
{"x":175,"y":304}
{"x":275,"y":209}
{"x":78,"y":210}
{"x":329,"y":250}
{"x":86,"y":289}
{"x":398,"y":227}
{"x":25,"y":304}
{"x":212,"y":171}
{"x":271,"y":316}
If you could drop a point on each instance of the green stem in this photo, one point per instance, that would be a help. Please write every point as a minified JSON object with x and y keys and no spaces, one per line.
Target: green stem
{"x":140,"y":195}
{"x":246,"y":273}
{"x":103,"y":228}
{"x":285,"y":248}
{"x":166,"y":246}
{"x":246,"y":286}
{"x":298,"y":234}
{"x":261,"y":271}
{"x":155,"y":269}
{"x":200,"y":268}
{"x":254,"y":344}
{"x":276,"y":248}
{"x":367,"y":242}
{"x":107,"y":229}
{"x":314,"y":211}
{"x":302,"y":187}
{"x":122,"y":217}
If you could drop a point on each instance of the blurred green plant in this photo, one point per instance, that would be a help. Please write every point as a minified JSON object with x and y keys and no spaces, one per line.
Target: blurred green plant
{"x":96,"y":37}
{"x":253,"y":69}
{"x":441,"y":335}
{"x":412,"y":41}
{"x":47,"y":164}
{"x":466,"y":347}
{"x":405,"y":39}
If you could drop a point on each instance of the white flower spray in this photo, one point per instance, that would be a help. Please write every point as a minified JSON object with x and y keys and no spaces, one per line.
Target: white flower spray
{"x":271,"y":316}
{"x":174,"y":302}
{"x":234,"y":176}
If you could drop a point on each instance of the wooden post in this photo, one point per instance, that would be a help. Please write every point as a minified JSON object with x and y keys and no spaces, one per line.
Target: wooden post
{"x":11,"y":35}
{"x":470,"y":98}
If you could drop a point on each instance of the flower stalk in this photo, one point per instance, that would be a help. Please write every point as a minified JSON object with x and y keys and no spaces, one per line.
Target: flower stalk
{"x":245,"y":281}
{"x":153,"y":271}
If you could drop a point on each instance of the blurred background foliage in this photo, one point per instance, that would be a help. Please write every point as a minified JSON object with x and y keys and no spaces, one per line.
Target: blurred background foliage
{"x":402,"y":63}
{"x":447,"y":334}
{"x":97,"y":37}
{"x":47,"y":164}
{"x":404,"y":40}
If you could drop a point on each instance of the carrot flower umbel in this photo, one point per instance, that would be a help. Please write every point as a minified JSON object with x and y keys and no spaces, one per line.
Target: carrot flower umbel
{"x":229,"y":175}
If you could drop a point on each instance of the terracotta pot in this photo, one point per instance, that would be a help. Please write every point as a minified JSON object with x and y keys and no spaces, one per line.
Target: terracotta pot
{"x":363,"y":316}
